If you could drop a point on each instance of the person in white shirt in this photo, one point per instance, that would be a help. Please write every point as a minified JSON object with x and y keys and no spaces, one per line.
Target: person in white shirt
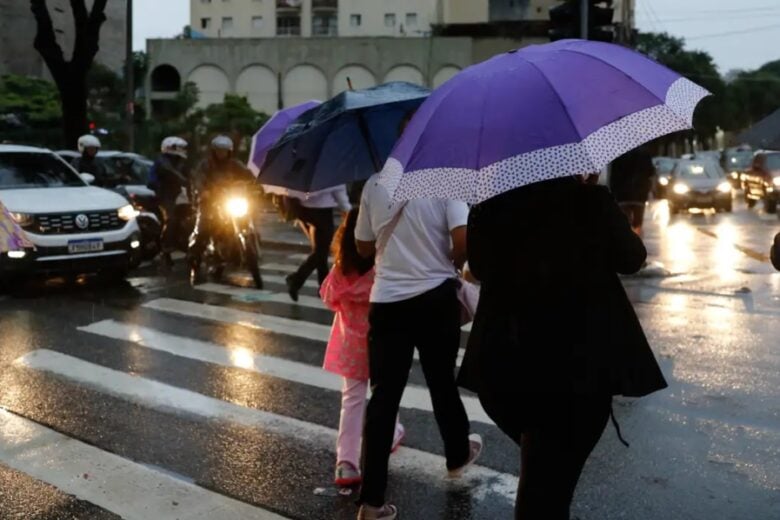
{"x":414,"y":303}
{"x":315,"y":216}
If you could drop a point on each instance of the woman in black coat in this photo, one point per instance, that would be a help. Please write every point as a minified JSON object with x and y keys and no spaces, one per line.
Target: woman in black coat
{"x":555,"y":336}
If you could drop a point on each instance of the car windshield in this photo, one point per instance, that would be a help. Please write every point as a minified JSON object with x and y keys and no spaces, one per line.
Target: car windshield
{"x":124,"y":169}
{"x":773,"y":161}
{"x":35,"y":170}
{"x":739,"y":160}
{"x":699,"y":170}
{"x":664,"y":165}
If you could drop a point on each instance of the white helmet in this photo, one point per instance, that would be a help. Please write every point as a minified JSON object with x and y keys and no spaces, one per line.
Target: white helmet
{"x":175,"y":146}
{"x":222,"y":142}
{"x":88,"y":141}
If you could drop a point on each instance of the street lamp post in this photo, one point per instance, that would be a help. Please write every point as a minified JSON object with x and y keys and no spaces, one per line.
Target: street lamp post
{"x":129,"y":80}
{"x":584,"y":19}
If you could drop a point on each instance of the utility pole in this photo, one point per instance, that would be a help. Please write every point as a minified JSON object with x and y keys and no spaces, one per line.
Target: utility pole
{"x":584,"y":19}
{"x":129,"y":80}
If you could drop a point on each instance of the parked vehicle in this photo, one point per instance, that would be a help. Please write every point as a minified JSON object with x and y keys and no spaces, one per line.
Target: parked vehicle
{"x":762,"y":181}
{"x":76,"y":228}
{"x":663,"y":172}
{"x":236,"y":242}
{"x":699,"y":184}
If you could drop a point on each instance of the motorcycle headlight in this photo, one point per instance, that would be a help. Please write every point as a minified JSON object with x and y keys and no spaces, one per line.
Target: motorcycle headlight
{"x":23,"y":219}
{"x":724,"y":187}
{"x":776,"y":181}
{"x":127,"y":213}
{"x":237,"y":207}
{"x":681,"y":189}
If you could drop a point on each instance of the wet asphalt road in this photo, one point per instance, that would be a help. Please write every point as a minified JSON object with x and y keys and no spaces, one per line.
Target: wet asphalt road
{"x":154,"y":400}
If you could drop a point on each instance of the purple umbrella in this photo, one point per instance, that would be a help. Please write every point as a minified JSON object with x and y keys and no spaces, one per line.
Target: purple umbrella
{"x":546,"y":111}
{"x":272,"y":130}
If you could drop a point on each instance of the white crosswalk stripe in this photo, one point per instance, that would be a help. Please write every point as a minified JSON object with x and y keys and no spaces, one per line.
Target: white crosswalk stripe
{"x":123,"y":487}
{"x":160,"y":396}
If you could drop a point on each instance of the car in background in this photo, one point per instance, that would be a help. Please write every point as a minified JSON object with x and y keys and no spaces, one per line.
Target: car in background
{"x":736,"y":162}
{"x":663,"y":172}
{"x":699,"y":184}
{"x":762,"y":180}
{"x":708,"y":155}
{"x":127,"y":168}
{"x":76,"y":228}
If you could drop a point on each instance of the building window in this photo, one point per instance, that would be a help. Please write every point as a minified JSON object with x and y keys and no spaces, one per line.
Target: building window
{"x":355,"y":20}
{"x":227,"y":23}
{"x":288,"y":25}
{"x":411,"y":19}
{"x":257,"y":22}
{"x":325,"y":24}
{"x":390,"y":20}
{"x":205,"y":23}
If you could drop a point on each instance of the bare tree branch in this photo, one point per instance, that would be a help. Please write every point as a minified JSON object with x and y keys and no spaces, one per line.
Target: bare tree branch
{"x":46,"y":40}
{"x":98,"y":13}
{"x":79,"y":11}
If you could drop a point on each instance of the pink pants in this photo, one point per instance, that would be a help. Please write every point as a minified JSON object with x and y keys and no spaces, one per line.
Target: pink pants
{"x":353,"y":409}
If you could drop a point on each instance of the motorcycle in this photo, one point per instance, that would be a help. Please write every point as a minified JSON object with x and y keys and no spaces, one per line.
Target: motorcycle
{"x":236,"y":241}
{"x":149,"y":219}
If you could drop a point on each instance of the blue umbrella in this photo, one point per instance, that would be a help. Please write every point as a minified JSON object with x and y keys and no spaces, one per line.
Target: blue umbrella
{"x":344,"y":140}
{"x":272,"y":130}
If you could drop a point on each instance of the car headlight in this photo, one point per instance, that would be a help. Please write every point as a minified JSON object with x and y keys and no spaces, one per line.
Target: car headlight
{"x":776,"y":181}
{"x":127,"y":213}
{"x":663,"y":181}
{"x":681,"y":189}
{"x":237,"y":207}
{"x":724,"y":187}
{"x":23,"y":219}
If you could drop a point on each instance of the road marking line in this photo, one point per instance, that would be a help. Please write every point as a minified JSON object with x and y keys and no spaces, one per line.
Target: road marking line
{"x":483,"y":481}
{"x":125,"y":488}
{"x":253,"y":295}
{"x":274,"y":278}
{"x":414,"y":397}
{"x":266,"y":322}
{"x":284,"y":268}
{"x":755,"y":255}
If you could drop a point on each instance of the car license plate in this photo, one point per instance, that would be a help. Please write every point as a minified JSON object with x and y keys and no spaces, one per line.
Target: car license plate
{"x":85,"y":246}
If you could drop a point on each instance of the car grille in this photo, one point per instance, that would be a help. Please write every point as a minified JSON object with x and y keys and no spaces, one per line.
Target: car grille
{"x":60,"y":224}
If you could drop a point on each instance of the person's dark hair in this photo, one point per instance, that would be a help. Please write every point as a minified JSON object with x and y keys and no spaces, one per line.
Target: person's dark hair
{"x":345,"y":250}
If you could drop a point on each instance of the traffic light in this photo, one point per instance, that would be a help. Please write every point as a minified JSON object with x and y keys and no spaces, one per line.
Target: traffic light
{"x":565,"y":20}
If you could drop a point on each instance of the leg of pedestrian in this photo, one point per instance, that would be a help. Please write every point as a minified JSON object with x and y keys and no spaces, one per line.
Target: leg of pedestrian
{"x":390,"y":359}
{"x":323,"y":237}
{"x":353,"y":405}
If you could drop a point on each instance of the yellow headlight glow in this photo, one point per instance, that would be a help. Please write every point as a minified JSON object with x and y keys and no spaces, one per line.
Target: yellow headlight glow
{"x":237,"y":207}
{"x":127,"y":213}
{"x":663,"y":181}
{"x":724,"y":187}
{"x":681,"y":189}
{"x":776,"y":181}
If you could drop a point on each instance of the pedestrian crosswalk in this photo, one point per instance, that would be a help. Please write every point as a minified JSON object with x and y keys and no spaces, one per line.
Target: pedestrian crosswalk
{"x":134,"y":362}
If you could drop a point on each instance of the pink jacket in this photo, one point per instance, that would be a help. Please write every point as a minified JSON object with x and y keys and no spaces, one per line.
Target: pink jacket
{"x":347,"y":296}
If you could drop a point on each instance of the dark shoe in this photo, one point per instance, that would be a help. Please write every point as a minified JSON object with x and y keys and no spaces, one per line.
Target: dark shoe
{"x":386,"y":512}
{"x":292,"y":288}
{"x":475,"y":449}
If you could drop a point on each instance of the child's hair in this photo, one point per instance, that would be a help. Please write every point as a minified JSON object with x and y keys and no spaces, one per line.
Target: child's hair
{"x":345,"y":250}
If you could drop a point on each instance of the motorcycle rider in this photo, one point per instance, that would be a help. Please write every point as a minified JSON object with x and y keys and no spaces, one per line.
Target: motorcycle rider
{"x":168,"y":177}
{"x":88,"y":162}
{"x":220,"y":168}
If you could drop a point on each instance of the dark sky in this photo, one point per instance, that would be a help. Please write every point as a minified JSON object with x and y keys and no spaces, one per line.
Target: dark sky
{"x":740,"y":34}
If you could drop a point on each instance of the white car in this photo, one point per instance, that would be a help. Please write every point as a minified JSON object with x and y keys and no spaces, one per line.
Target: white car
{"x":76,"y":228}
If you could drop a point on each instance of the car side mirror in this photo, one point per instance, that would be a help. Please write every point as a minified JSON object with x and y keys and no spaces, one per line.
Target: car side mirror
{"x":87,"y":177}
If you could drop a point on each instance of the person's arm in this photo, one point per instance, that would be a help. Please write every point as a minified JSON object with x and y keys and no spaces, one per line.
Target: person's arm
{"x":626,"y":250}
{"x":457,"y":219}
{"x":365,"y":239}
{"x":341,"y":197}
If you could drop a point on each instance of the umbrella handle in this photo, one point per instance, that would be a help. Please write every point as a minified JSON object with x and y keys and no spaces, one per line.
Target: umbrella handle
{"x":349,"y":83}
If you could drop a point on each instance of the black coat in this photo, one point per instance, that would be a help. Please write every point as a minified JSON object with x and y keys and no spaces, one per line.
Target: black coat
{"x":631,"y":176}
{"x":775,"y":252}
{"x":169,"y":177}
{"x":553,"y":319}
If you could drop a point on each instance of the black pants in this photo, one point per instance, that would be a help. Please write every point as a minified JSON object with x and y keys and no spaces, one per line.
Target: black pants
{"x":430,"y":322}
{"x":319,"y":228}
{"x":552,"y":454}
{"x":205,"y":228}
{"x":170,"y":225}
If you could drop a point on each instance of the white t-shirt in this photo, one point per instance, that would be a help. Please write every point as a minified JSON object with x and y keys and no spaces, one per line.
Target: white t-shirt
{"x":417,"y":256}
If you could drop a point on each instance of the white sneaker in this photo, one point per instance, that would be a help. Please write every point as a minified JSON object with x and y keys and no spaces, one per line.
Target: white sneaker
{"x":475,"y":445}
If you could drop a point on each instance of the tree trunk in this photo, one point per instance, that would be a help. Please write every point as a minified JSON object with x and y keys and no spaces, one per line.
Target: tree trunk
{"x":73,"y":95}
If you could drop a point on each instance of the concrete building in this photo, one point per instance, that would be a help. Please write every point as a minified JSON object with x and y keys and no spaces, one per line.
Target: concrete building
{"x":270,"y":18}
{"x":18,"y":28}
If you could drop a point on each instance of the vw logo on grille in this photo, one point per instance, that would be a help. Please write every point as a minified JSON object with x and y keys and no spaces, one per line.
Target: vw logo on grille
{"x":82,"y":221}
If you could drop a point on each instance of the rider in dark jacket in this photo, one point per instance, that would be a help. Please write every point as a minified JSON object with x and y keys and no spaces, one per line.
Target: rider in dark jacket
{"x":88,"y":162}
{"x":169,"y":176}
{"x":218,"y":169}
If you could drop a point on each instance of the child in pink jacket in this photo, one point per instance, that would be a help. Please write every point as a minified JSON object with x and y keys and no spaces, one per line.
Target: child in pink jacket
{"x":345,"y":291}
